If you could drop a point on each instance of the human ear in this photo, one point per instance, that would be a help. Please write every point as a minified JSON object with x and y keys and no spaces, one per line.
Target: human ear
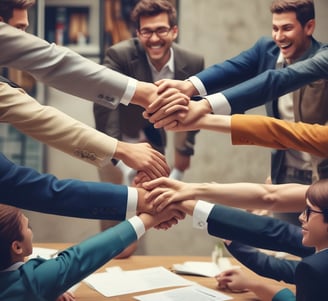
{"x":175,"y":31}
{"x":16,"y":247}
{"x":309,"y":27}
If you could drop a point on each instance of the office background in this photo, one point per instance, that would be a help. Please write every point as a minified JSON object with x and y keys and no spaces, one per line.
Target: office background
{"x":218,"y":29}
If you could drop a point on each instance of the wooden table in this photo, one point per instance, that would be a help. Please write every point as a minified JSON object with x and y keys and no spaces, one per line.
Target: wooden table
{"x":84,"y":292}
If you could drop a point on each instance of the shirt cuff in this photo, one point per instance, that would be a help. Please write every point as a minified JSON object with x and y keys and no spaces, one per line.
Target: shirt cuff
{"x":219,"y":104}
{"x":198,"y":85}
{"x":132,"y":202}
{"x":137,"y":225}
{"x":129,"y":91}
{"x":200,"y":215}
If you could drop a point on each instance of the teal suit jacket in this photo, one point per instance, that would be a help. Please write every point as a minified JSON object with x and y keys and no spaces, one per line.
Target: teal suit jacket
{"x":25,"y":188}
{"x":45,"y":280}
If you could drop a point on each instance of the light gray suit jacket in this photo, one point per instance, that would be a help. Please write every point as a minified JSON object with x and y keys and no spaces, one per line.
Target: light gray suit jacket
{"x":60,"y":67}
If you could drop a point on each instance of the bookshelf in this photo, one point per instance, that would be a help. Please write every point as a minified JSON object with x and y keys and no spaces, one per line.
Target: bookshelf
{"x":76,"y":24}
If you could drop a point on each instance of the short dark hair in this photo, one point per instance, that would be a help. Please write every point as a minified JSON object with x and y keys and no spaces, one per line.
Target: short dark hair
{"x":304,"y":9}
{"x":7,"y":7}
{"x":153,"y":8}
{"x":317,"y":194}
{"x":10,"y":231}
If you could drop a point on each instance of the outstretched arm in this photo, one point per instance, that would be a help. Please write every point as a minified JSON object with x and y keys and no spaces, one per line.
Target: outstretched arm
{"x":254,"y":129}
{"x":68,"y":71}
{"x":282,"y":198}
{"x":55,"y":128}
{"x":280,"y":134}
{"x":254,"y":230}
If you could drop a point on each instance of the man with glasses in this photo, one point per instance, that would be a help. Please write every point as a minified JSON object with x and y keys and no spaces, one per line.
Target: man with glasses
{"x":149,"y":57}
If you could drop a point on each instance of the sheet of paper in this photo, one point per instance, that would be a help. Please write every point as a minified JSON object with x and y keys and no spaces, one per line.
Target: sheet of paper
{"x":43,"y":253}
{"x":126,"y":282}
{"x":202,"y":268}
{"x":190,"y":293}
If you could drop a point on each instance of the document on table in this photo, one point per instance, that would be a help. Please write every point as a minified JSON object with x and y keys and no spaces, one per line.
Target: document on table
{"x":203,"y":268}
{"x":126,"y":282}
{"x":190,"y":293}
{"x":45,"y":253}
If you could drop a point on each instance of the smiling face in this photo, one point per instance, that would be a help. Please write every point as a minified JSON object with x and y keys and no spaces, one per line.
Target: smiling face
{"x":314,"y":229}
{"x":156,"y":47}
{"x":291,"y":37}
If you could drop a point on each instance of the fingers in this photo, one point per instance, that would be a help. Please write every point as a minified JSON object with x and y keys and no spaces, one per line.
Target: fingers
{"x":166,"y":98}
{"x":172,"y":107}
{"x":168,"y":123}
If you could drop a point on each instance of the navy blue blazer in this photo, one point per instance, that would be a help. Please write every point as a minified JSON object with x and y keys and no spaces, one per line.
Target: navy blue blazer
{"x":248,"y":64}
{"x":311,"y":277}
{"x":261,"y":57}
{"x":263,"y":264}
{"x":25,"y":188}
{"x":311,"y":273}
{"x":258,"y":231}
{"x":274,"y":83}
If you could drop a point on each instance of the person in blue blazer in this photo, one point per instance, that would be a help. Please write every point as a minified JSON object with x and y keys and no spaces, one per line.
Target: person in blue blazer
{"x":26,"y":188}
{"x":310,"y":273}
{"x":39,"y":279}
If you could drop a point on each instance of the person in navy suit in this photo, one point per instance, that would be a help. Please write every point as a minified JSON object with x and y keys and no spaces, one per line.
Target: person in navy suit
{"x":25,"y":188}
{"x":310,"y":273}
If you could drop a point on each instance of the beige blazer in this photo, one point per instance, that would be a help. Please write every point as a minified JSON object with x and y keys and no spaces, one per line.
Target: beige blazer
{"x":53,"y":127}
{"x":279,"y":134}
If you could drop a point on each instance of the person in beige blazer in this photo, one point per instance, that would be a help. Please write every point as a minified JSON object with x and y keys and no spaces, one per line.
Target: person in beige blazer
{"x":53,"y":127}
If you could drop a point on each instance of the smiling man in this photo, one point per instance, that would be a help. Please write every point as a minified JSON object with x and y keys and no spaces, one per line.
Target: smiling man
{"x":150,"y":56}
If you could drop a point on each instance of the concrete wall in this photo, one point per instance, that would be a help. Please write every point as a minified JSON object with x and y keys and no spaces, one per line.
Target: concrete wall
{"x":218,"y":29}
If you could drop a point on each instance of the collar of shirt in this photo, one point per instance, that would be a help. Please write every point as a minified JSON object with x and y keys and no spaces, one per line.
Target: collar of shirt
{"x":13,"y":267}
{"x":281,"y":63}
{"x":166,"y":72}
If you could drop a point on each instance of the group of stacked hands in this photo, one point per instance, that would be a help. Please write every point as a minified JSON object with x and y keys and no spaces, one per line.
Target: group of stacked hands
{"x":159,"y":202}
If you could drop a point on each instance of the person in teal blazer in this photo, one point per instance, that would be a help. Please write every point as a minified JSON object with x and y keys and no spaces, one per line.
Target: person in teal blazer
{"x":39,"y":279}
{"x":310,"y":273}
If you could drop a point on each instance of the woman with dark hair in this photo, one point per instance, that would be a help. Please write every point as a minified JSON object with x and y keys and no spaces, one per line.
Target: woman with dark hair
{"x":40,"y":279}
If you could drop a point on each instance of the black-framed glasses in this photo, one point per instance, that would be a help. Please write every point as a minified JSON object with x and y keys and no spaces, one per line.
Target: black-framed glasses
{"x":161,"y":32}
{"x":307,"y":212}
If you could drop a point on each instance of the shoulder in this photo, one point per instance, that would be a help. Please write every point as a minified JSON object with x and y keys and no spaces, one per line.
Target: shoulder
{"x":126,"y":47}
{"x":186,"y":53}
{"x":315,"y":262}
{"x":266,"y":43}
